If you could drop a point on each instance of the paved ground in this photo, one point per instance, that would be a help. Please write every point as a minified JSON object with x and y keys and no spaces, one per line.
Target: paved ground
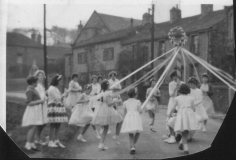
{"x":150,"y":145}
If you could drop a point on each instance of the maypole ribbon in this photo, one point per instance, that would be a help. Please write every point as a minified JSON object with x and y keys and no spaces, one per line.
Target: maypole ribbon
{"x":194,"y":67}
{"x":162,"y":76}
{"x":184,"y":60}
{"x":145,"y":77}
{"x":203,"y":64}
{"x":141,"y":68}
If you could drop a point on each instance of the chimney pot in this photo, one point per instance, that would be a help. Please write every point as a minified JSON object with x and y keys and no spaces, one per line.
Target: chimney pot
{"x":206,"y":8}
{"x":175,"y":14}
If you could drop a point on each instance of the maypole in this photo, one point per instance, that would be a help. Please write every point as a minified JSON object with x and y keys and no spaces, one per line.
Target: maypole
{"x":178,"y":38}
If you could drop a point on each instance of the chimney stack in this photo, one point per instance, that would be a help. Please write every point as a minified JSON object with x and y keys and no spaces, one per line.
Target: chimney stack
{"x":206,"y":8}
{"x":33,"y":35}
{"x":80,"y":27}
{"x":175,"y":14}
{"x":147,"y":17}
{"x":39,"y":38}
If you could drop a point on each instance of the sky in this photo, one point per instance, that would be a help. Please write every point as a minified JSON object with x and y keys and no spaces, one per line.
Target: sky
{"x":68,"y":13}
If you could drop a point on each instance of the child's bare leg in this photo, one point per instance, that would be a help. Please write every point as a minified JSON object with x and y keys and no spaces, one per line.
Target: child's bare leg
{"x":131,"y":140}
{"x":136,"y":137}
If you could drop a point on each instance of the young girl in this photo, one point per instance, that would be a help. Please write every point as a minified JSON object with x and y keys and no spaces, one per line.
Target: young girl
{"x":56,"y":112}
{"x":82,"y":114}
{"x":106,"y":115}
{"x":197,"y":94}
{"x":152,"y":106}
{"x":96,"y":89}
{"x":207,"y":94}
{"x":132,"y":122}
{"x":185,"y":119}
{"x":33,"y":115}
{"x":41,"y":90}
{"x":74,"y":92}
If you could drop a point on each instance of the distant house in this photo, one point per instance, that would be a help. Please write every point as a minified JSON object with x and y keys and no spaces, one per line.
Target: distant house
{"x":22,"y":52}
{"x":205,"y":32}
{"x":96,"y":48}
{"x":98,"y":45}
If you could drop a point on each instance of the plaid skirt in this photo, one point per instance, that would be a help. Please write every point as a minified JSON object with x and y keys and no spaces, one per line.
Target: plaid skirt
{"x":57,"y":113}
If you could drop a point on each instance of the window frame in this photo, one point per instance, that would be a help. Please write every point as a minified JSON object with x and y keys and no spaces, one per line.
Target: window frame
{"x":108,"y":56}
{"x":192,"y":47}
{"x":81,"y":60}
{"x":19,"y":55}
{"x":160,"y":43}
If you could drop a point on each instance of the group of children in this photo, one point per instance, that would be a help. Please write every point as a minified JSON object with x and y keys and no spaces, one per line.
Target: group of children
{"x":188,"y":109}
{"x":99,"y":105}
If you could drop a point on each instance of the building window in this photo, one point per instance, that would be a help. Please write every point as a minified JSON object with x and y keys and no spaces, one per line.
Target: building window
{"x":19,"y":58}
{"x":124,"y":82}
{"x":162,"y":48}
{"x":108,"y":54}
{"x":160,"y":72}
{"x":69,"y":60}
{"x":81,"y":58}
{"x":195,"y":44}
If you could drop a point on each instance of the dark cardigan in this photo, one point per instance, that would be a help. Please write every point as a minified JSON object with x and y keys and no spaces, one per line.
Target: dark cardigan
{"x":210,"y":93}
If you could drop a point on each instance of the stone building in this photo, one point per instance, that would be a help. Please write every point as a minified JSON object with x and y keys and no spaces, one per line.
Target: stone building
{"x":207,"y":38}
{"x":22,"y":52}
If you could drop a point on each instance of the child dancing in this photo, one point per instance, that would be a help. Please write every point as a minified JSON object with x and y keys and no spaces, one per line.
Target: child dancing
{"x":185,"y":118}
{"x":132,"y":122}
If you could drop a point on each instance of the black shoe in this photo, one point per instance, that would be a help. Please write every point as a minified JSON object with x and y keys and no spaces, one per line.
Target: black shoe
{"x":181,"y":147}
{"x":152,"y":129}
{"x":178,"y":137}
{"x":35,"y":149}
{"x":190,"y":140}
{"x":132,"y":151}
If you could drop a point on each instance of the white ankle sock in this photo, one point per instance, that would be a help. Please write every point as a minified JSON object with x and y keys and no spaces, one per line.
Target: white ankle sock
{"x":185,"y":147}
{"x":28,"y":145}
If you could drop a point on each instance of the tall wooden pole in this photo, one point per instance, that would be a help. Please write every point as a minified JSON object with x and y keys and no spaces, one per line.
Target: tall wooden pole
{"x":152,"y":37}
{"x":45,"y":48}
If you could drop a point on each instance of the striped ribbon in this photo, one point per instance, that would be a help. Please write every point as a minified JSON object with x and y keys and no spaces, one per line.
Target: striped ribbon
{"x":178,"y":66}
{"x":211,"y":69}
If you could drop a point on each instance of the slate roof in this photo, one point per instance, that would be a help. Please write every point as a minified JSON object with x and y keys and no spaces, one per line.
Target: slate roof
{"x":189,"y":24}
{"x":115,"y":23}
{"x":21,"y":40}
{"x":116,"y":35}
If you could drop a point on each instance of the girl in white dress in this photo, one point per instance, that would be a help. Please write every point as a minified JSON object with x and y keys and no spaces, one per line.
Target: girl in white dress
{"x":74,"y":92}
{"x":207,"y":94}
{"x":94,"y":103}
{"x":56,"y":112}
{"x":197,"y":94}
{"x":41,"y":90}
{"x":105,"y":114}
{"x":173,"y":92}
{"x":33,"y":115}
{"x":132,"y":123}
{"x":153,"y":104}
{"x":185,"y":118}
{"x":82,"y":114}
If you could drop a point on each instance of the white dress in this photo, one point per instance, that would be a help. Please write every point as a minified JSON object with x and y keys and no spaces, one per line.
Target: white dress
{"x":81,"y":113}
{"x":73,"y":96}
{"x":132,"y":122}
{"x":41,"y":90}
{"x":185,"y":118}
{"x":33,"y":115}
{"x":152,"y":104}
{"x":172,"y":94}
{"x":197,"y":94}
{"x":118,"y":86}
{"x":104,"y":114}
{"x":207,"y":102}
{"x":96,"y":89}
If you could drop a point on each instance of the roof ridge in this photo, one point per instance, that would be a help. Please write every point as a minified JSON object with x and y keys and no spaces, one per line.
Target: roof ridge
{"x":117,"y":16}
